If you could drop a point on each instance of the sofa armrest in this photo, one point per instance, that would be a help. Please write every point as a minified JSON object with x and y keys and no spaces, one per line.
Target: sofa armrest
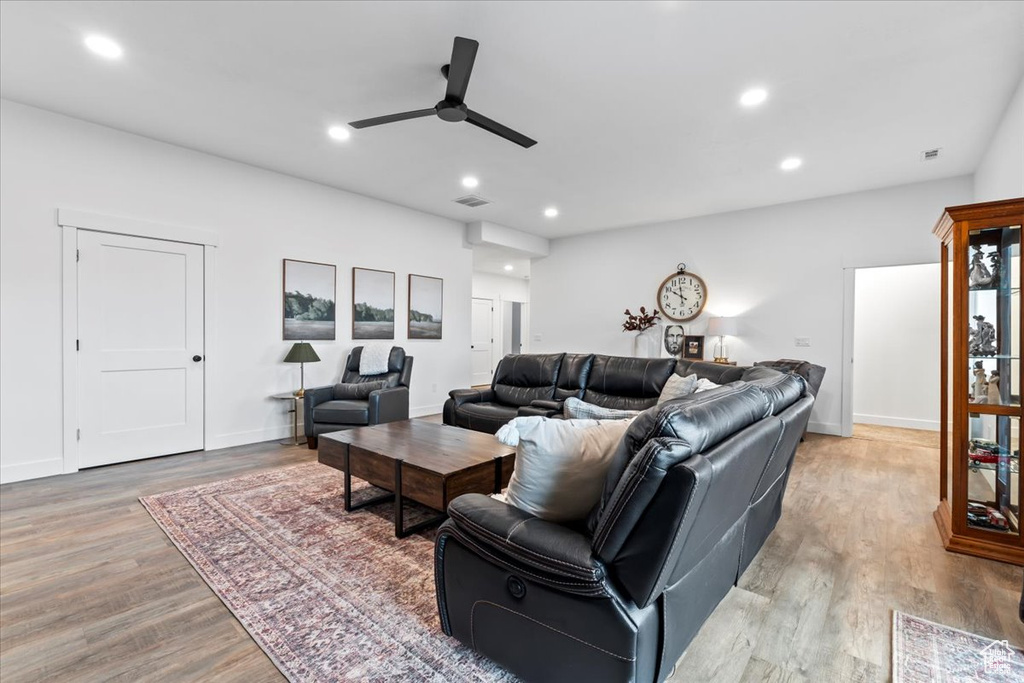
{"x":548,"y":405}
{"x":545,"y":551}
{"x":388,"y":405}
{"x":534,"y":411}
{"x":541,"y":408}
{"x":462,"y":396}
{"x":310,"y":400}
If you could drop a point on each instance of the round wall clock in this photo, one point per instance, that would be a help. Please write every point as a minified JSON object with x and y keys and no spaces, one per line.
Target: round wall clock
{"x":682,"y":295}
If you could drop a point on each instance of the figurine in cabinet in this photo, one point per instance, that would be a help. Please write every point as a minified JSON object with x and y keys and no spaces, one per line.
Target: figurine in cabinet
{"x":979,"y":381}
{"x":982,"y":338}
{"x":993,"y":389}
{"x":980,"y":276}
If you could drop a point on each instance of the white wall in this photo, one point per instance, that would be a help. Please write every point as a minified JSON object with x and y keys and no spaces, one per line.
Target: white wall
{"x":896,"y":346}
{"x":779,"y":269}
{"x":1000,"y":174}
{"x":500,"y":288}
{"x":49,"y":161}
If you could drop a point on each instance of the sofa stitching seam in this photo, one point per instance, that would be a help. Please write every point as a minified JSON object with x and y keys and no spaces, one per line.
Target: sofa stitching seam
{"x":459,"y":516}
{"x":540,"y":578}
{"x":540,"y":623}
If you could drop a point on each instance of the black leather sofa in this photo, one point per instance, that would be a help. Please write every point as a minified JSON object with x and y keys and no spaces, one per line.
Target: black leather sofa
{"x":695,"y":488}
{"x":324,"y":411}
{"x":537,"y":384}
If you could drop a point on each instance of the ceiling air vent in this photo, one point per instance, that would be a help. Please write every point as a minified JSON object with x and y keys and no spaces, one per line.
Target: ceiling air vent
{"x":930,"y":154}
{"x":472,"y":201}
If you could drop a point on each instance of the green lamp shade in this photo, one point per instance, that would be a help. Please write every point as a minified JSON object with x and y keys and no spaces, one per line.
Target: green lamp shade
{"x":301,"y":352}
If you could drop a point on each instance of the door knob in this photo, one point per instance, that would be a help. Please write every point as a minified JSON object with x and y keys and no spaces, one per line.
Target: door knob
{"x":197,"y":358}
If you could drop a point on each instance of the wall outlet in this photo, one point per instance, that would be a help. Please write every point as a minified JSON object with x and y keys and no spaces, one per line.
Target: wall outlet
{"x":433,"y":388}
{"x":802,"y":341}
{"x":538,"y":337}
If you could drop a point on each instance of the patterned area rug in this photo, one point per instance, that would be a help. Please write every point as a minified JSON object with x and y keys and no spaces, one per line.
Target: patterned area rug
{"x":328,"y":595}
{"x":926,"y":652}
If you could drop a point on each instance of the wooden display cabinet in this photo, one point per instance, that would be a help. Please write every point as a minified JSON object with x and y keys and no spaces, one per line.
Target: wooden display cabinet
{"x":981,"y":329}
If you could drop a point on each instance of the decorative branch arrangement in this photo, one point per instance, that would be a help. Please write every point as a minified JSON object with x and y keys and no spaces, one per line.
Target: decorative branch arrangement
{"x":641,"y":322}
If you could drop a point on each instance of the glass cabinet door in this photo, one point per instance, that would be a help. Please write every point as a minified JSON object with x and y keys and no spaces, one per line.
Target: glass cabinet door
{"x":993,"y":391}
{"x":993,"y":316}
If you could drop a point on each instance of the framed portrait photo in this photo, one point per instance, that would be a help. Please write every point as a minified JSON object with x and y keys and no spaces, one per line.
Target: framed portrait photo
{"x":426,"y":304}
{"x":309,"y":294}
{"x":373,"y":304}
{"x":693,"y":347}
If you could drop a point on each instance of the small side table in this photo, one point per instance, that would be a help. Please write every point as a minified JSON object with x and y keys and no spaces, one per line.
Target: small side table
{"x":294,"y":410}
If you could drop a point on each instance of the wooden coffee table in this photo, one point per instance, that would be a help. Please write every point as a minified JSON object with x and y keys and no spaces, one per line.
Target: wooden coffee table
{"x":423,"y":461}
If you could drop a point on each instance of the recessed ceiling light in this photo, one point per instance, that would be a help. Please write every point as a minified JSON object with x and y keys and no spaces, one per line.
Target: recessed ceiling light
{"x":103,"y":46}
{"x":791,"y":163}
{"x":339,"y":133}
{"x":753,"y":97}
{"x":470,"y":182}
{"x":508,"y":266}
{"x":551,"y":212}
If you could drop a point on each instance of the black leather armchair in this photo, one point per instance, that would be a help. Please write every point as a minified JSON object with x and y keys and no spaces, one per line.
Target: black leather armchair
{"x":325,"y":410}
{"x":695,"y":488}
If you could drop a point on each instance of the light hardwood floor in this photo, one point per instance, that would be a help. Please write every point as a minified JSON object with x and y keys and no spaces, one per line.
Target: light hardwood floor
{"x":91,"y":589}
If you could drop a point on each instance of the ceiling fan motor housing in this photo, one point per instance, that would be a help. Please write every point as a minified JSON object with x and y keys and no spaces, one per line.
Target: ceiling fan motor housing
{"x":451,"y":111}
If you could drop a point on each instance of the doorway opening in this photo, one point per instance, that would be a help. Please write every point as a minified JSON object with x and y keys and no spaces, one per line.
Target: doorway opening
{"x":894,"y":352}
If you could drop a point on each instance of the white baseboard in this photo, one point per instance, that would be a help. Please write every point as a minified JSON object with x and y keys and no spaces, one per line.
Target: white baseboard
{"x":255,"y":436}
{"x":31,"y":470}
{"x":426,"y":410}
{"x":830,"y":428}
{"x":905,"y":422}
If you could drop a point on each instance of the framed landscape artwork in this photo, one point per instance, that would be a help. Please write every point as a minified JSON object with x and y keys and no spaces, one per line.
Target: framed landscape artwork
{"x":373,"y":304}
{"x":425,"y":306}
{"x":693,"y":347}
{"x":309,"y":295}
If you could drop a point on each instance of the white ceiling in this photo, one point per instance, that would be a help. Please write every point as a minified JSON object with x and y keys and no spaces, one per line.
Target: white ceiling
{"x":634,"y":105}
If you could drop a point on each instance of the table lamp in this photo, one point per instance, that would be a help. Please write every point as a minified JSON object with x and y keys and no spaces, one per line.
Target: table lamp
{"x":301,"y":353}
{"x":721,"y":328}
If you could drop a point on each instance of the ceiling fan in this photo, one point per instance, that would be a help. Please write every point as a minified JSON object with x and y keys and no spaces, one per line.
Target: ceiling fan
{"x":453,"y":107}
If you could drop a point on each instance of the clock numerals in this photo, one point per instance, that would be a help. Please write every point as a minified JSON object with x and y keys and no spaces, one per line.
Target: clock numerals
{"x":682,"y":297}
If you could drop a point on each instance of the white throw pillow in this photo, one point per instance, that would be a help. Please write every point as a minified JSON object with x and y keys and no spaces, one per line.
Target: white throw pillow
{"x":677,"y":386}
{"x":705,"y":385}
{"x":575,"y":409}
{"x":561,"y":464}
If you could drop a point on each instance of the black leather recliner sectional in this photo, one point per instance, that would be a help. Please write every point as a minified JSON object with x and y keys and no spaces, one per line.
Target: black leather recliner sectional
{"x":537,"y":384}
{"x":695,"y":488}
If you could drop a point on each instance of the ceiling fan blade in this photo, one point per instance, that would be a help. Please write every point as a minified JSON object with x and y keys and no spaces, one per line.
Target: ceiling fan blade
{"x":391,"y":118}
{"x":460,"y":69}
{"x":490,"y":126}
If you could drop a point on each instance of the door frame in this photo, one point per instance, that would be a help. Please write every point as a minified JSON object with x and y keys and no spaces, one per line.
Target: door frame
{"x":495,"y":322}
{"x":70,"y":222}
{"x":849,"y":297}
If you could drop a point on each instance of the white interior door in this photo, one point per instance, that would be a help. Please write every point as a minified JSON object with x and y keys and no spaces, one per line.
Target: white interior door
{"x":141,"y":356}
{"x":481,"y":341}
